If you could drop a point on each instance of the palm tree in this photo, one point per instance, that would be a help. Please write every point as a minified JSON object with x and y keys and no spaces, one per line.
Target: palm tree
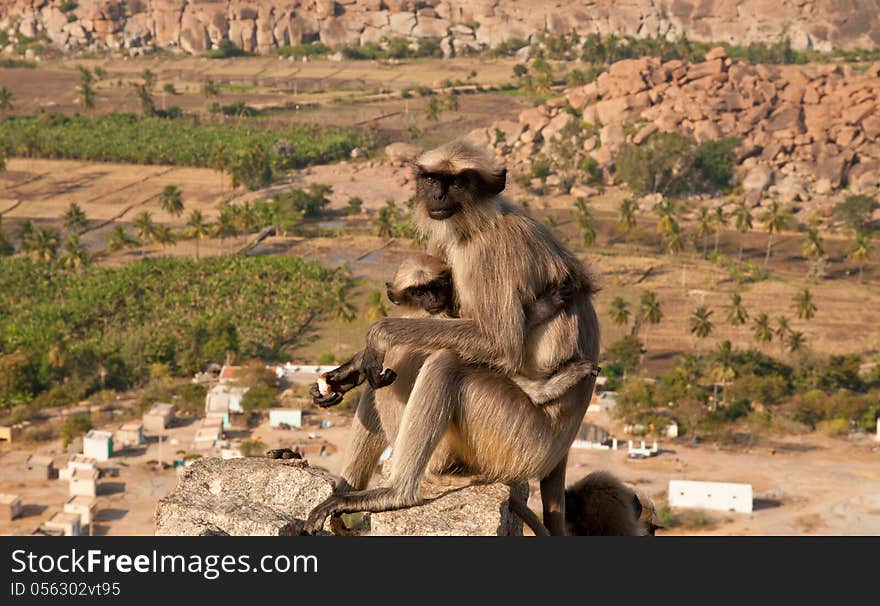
{"x":74,"y":218}
{"x":796,"y":341}
{"x":5,"y":99}
{"x":584,"y":220}
{"x":45,"y":243}
{"x":198,"y":228}
{"x":225,"y":227}
{"x":783,"y":329}
{"x":720,"y":221}
{"x":666,"y":215}
{"x":626,"y":215}
{"x":673,"y":237}
{"x":171,"y":200}
{"x":26,"y":235}
{"x":762,"y":329}
{"x":144,"y":227}
{"x":75,"y":254}
{"x":342,"y":309}
{"x":120,"y":239}
{"x":776,"y":219}
{"x":701,"y":323}
{"x":649,"y":311}
{"x":376,"y":306}
{"x":742,"y":216}
{"x":813,"y":245}
{"x":619,"y":311}
{"x":86,"y":90}
{"x":163,"y":236}
{"x":861,"y":251}
{"x":705,"y":227}
{"x":736,"y":314}
{"x":803,"y":304}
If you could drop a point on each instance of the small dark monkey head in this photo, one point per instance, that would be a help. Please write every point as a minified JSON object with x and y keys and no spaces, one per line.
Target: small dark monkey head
{"x":422,"y":282}
{"x":455,"y":177}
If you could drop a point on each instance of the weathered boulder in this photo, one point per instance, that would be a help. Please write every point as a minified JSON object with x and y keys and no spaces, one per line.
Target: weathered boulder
{"x":257,"y":496}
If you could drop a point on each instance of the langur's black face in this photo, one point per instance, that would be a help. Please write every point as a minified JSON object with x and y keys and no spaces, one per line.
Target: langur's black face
{"x":433,"y":297}
{"x":446,"y":194}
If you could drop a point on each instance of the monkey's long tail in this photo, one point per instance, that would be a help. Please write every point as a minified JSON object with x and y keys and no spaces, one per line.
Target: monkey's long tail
{"x":528,"y":516}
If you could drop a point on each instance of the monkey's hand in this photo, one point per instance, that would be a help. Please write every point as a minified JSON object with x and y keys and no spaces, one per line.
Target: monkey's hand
{"x":373,"y":368}
{"x":562,"y":296}
{"x":340,"y":381}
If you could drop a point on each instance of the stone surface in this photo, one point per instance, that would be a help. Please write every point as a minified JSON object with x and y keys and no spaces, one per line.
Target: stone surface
{"x":257,"y":496}
{"x":242,"y":497}
{"x":261,"y":25}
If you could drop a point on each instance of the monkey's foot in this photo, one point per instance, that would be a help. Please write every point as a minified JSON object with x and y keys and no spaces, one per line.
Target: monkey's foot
{"x":282,"y":453}
{"x":375,"y":500}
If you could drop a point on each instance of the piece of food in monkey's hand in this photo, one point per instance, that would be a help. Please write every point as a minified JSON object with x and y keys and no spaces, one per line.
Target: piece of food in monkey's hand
{"x":323,"y":386}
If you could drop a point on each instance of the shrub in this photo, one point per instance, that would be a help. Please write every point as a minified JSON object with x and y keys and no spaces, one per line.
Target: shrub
{"x":672,"y":163}
{"x":252,"y":448}
{"x":226,"y":49}
{"x":834,"y":427}
{"x":752,"y":388}
{"x":260,"y":397}
{"x":74,"y":427}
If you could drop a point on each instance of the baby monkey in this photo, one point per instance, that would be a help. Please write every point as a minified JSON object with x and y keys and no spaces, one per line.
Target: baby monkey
{"x":423,"y":287}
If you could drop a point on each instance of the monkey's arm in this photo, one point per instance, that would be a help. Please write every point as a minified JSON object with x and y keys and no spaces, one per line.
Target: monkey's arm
{"x":541,"y":391}
{"x":343,"y":379}
{"x":551,"y":302}
{"x":426,"y":335}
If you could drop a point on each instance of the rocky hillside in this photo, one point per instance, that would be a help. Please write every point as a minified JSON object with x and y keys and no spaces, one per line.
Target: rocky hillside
{"x":263,"y":25}
{"x":805,"y":132}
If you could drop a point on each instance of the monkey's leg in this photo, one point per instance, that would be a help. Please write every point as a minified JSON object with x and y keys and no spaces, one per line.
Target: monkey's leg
{"x":366,"y":441}
{"x":428,"y":412}
{"x":553,"y":498}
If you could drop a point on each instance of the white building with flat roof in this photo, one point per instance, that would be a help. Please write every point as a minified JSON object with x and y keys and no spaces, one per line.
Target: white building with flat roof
{"x":719,"y":496}
{"x":66,"y":523}
{"x":83,"y":506}
{"x":292,"y":417}
{"x":98,"y":445}
{"x":159,"y":417}
{"x":84,"y":482}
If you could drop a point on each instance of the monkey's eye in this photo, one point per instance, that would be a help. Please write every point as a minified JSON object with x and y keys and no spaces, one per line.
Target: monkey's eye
{"x":459,"y":182}
{"x":430,"y":180}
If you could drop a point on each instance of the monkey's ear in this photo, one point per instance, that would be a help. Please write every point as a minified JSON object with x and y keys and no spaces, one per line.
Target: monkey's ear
{"x":497,"y":182}
{"x":637,"y":507}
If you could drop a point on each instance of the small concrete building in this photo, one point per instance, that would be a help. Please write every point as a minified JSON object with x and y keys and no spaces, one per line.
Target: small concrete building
{"x":84,"y":482}
{"x":40,"y":467}
{"x":98,"y":445}
{"x":77,"y":462}
{"x":67,"y":524}
{"x":591,"y":436}
{"x":291,"y":417}
{"x":159,"y":417}
{"x":10,"y":507}
{"x":83,"y":506}
{"x":224,"y":398}
{"x":130,"y":435}
{"x":720,"y":496}
{"x":12,"y":433}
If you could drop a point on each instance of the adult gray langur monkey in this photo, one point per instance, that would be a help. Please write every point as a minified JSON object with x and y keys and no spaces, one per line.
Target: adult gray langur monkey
{"x":501,"y":260}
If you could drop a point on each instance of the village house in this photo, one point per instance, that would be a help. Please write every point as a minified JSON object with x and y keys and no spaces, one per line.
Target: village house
{"x":67,"y":524}
{"x":130,"y":435}
{"x":40,"y":467}
{"x":10,"y":507}
{"x":287,"y":417}
{"x":83,"y":506}
{"x":84,"y":482}
{"x":77,"y":462}
{"x":159,"y":417}
{"x":98,"y":445}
